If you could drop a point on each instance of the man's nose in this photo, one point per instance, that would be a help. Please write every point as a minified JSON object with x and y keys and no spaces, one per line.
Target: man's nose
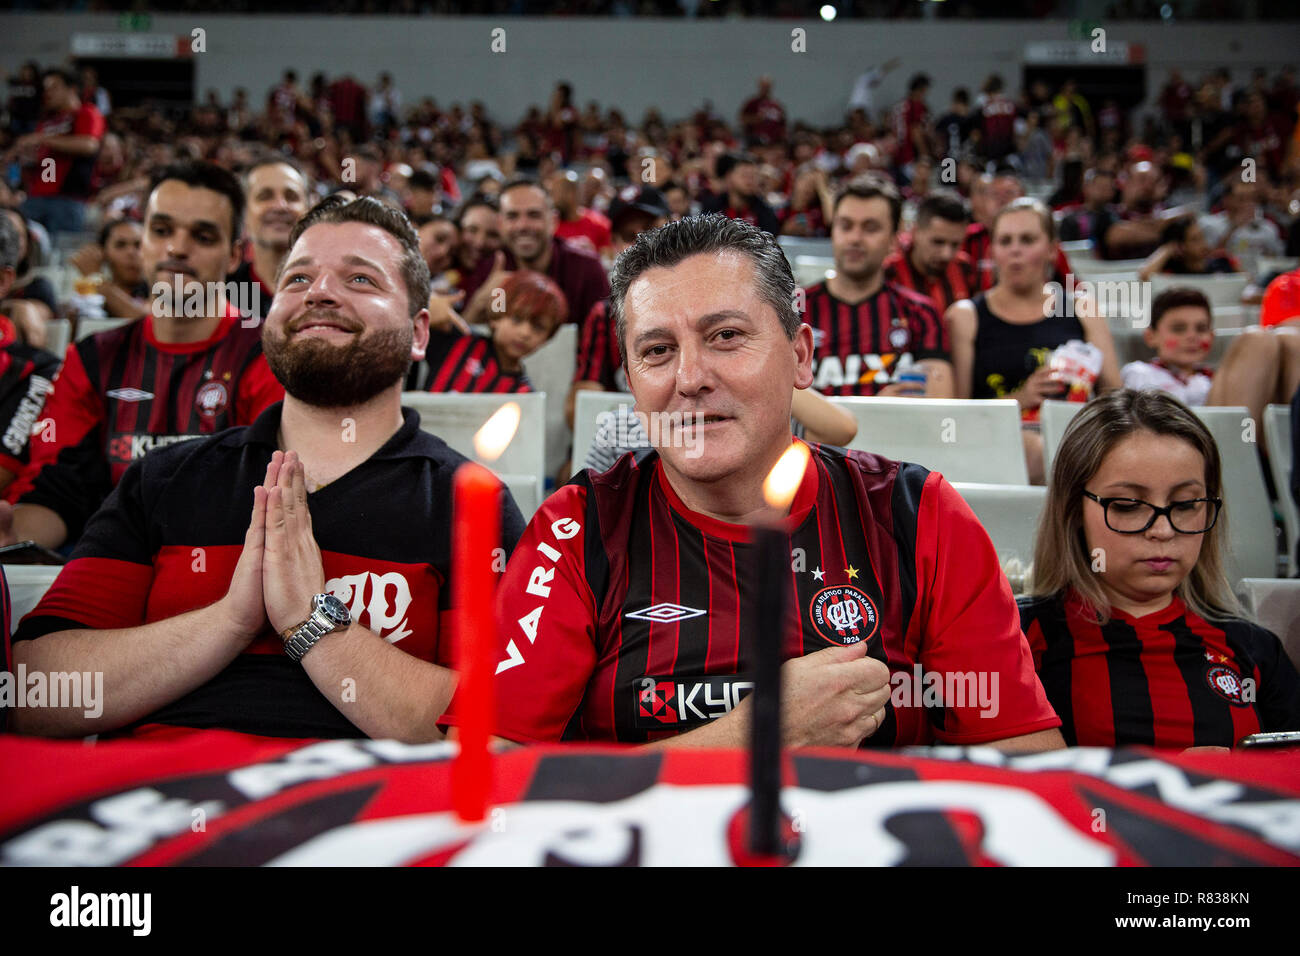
{"x":325,"y":289}
{"x":694,"y":371}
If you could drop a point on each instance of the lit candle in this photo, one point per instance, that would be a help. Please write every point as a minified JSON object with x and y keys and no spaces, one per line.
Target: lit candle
{"x":772,"y":554}
{"x":476,"y":534}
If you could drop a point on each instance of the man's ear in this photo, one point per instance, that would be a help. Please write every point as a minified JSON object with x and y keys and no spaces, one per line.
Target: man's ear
{"x":236,"y":255}
{"x":420,"y":339}
{"x":803,"y":354}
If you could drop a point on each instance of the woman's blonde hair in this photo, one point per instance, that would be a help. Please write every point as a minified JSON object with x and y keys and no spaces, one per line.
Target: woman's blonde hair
{"x":1061,"y":557}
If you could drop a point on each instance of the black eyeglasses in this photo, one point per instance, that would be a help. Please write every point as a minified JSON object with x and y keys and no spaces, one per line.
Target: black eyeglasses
{"x":1133,"y":515}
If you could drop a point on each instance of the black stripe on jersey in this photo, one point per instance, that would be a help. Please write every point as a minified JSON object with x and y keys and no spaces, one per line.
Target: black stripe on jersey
{"x":1130,"y":693}
{"x":194,"y":421}
{"x":1056,"y":667}
{"x":633,"y":661}
{"x":149,"y":359}
{"x":1211,"y":714}
{"x":906,"y":506}
{"x":818,"y":773}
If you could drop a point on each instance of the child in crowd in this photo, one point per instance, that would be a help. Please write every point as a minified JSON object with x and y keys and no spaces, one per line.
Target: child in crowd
{"x":1181,"y":333}
{"x":532,"y":308}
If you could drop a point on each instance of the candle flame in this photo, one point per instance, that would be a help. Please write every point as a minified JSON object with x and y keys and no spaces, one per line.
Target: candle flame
{"x":491,"y":440}
{"x":784,"y":478}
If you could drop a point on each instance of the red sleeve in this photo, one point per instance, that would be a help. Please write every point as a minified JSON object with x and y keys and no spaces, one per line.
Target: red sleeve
{"x":1281,"y":300}
{"x":72,"y":410}
{"x":546,"y":625}
{"x":89,"y":122}
{"x":258,"y":389}
{"x":970,"y":623}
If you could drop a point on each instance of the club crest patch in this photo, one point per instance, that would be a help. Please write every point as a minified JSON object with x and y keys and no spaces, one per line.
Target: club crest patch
{"x":843,"y":615}
{"x":1225,"y":682}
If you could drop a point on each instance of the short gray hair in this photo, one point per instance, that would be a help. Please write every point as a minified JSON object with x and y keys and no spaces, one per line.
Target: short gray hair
{"x":670,"y":244}
{"x":9,"y":243}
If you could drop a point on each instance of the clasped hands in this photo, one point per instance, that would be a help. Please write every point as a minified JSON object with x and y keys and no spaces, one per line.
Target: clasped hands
{"x":280,"y":569}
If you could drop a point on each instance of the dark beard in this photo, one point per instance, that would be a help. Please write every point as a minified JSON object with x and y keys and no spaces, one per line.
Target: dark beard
{"x":331,"y":376}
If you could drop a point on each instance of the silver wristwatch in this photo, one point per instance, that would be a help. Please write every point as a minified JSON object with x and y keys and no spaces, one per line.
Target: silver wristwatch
{"x":328,"y":614}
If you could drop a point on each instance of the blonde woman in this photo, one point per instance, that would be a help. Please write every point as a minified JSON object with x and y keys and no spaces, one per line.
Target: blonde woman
{"x":1136,"y":635}
{"x":1002,"y":339}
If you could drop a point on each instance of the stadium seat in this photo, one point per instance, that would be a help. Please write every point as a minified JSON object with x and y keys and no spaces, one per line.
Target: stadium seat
{"x":1277,"y":438}
{"x":1252,"y":539}
{"x":1266,"y":265}
{"x":455,"y":417}
{"x":27,"y":585}
{"x":526,"y":492}
{"x":89,"y":327}
{"x":803,"y":246}
{"x":1275,"y":604}
{"x":550,"y":369}
{"x":966,"y":440}
{"x":586,"y":412}
{"x":809,"y":270}
{"x":1009,"y":514}
{"x":58,"y":334}
{"x":1054,"y":418}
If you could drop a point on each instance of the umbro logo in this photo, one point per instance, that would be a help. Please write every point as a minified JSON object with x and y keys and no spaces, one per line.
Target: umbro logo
{"x":129,"y":394}
{"x":665,"y":613}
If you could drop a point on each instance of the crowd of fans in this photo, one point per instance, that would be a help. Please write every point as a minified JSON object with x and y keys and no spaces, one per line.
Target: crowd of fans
{"x":503,"y":234}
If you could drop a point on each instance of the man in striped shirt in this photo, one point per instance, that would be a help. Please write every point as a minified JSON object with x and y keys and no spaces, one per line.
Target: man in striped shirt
{"x":868,"y":331}
{"x":627,"y":611}
{"x":191,"y":367}
{"x":930,"y":260}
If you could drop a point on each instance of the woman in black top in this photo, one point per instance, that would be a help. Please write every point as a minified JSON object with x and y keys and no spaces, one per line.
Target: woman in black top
{"x":1003,"y":338}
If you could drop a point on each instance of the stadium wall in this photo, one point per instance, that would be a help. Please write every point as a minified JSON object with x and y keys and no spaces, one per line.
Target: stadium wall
{"x":634,"y":64}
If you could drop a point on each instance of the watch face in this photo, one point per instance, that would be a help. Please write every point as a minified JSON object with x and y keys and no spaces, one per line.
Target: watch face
{"x":333,"y":608}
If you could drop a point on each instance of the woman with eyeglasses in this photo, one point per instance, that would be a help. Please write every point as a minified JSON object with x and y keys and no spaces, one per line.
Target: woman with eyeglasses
{"x":1135,"y":632}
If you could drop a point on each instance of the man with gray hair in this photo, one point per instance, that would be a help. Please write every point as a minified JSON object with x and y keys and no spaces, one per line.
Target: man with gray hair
{"x":26,"y":373}
{"x":626,"y":613}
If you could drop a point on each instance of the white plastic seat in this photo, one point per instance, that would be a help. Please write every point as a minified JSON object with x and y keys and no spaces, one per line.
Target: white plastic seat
{"x":587,"y":409}
{"x":550,"y":369}
{"x":27,"y":585}
{"x":89,"y":327}
{"x":455,"y":417}
{"x":1274,"y":603}
{"x":965,"y":439}
{"x":1010,"y":515}
{"x":1277,"y":435}
{"x":526,"y":492}
{"x":1252,"y":539}
{"x":1054,"y":418}
{"x":58,"y":332}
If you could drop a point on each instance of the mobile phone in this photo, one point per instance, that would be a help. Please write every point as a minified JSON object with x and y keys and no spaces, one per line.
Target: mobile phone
{"x":29,"y":552}
{"x":1282,"y":738}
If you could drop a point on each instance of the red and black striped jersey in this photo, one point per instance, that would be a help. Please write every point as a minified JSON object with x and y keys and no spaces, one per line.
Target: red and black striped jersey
{"x":979,"y":246}
{"x":625,"y":616}
{"x":958,"y":281}
{"x":469,"y":363}
{"x":169,"y":536}
{"x":858,"y":349}
{"x":26,"y":377}
{"x":598,"y":358}
{"x":122,"y":393}
{"x":1166,"y":679}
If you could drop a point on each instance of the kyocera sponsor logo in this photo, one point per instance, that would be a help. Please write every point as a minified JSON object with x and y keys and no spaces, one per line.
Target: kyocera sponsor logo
{"x":672,"y":702}
{"x":132,"y":447}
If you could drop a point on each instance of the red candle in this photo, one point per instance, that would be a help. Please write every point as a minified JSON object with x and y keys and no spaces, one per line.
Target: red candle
{"x":476,"y":534}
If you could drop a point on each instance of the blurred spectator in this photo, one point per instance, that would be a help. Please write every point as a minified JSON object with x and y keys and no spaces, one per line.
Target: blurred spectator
{"x":117,"y":257}
{"x":580,"y":226}
{"x":1181,"y":333}
{"x":929,"y":260}
{"x":762,"y":118}
{"x":277,"y":194}
{"x":1241,"y":229}
{"x":61,"y":156}
{"x":1184,"y":251}
{"x":479,"y":226}
{"x":739,"y":195}
{"x":533,"y":308}
{"x":30,"y":302}
{"x":1082,"y":223}
{"x":1281,"y":299}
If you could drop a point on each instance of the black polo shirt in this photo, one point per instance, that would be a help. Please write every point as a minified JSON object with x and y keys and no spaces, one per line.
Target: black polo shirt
{"x":167,"y":540}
